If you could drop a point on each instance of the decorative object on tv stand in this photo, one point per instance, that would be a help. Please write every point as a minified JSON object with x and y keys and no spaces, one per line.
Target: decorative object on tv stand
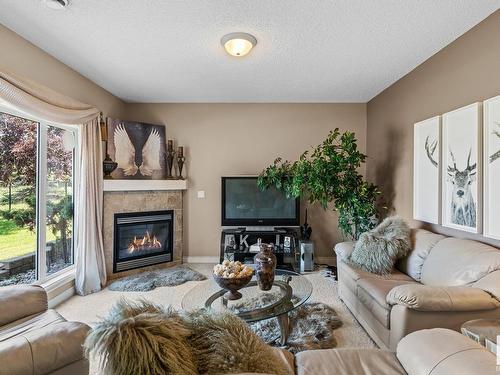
{"x":169,"y":159}
{"x":353,"y":198}
{"x":180,"y":161}
{"x":137,"y":148}
{"x":305,"y":230}
{"x":426,"y":170}
{"x":461,"y":169}
{"x":232,"y":276}
{"x":492,"y":168}
{"x":265,"y":266}
{"x":108,"y":165}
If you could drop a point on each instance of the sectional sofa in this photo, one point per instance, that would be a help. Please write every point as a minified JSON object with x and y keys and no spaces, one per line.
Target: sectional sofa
{"x":442,"y":282}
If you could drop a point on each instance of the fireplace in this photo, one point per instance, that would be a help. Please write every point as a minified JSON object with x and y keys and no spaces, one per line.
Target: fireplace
{"x":142,"y":239}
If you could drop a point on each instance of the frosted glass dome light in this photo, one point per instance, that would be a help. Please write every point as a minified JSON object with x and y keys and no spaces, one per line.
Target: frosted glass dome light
{"x":238,"y":44}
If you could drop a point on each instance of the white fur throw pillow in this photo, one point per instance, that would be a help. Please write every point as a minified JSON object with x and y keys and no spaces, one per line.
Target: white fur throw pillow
{"x":376,"y":251}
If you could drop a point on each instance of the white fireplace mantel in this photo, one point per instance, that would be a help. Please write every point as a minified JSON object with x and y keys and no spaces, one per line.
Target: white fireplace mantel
{"x":144,"y":185}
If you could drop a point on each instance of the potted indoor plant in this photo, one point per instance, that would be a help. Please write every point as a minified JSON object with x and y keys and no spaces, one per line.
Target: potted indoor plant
{"x":328,"y":174}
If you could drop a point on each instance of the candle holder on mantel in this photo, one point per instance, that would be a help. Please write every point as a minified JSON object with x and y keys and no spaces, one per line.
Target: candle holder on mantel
{"x":180,"y":161}
{"x":169,"y":159}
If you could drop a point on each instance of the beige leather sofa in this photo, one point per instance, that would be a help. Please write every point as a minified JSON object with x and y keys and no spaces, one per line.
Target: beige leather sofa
{"x":435,"y":351}
{"x":443,"y":282}
{"x":35,"y":340}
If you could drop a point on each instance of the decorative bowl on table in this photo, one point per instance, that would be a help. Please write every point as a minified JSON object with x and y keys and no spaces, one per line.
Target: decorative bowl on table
{"x":232,"y":276}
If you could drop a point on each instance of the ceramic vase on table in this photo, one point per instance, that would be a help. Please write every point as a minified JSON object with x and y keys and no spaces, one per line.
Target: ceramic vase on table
{"x":265,"y":266}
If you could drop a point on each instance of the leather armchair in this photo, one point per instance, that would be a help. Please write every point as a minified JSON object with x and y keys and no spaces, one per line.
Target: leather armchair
{"x":35,"y":339}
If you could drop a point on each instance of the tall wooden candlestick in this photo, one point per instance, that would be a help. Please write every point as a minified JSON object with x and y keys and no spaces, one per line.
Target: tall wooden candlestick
{"x":169,"y":158}
{"x":180,"y":161}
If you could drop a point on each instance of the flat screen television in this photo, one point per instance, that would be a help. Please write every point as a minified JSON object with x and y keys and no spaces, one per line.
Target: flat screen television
{"x":245,"y":204}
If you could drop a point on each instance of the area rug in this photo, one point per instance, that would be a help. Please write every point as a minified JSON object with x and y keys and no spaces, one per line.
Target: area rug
{"x":146,"y":281}
{"x":311,"y":325}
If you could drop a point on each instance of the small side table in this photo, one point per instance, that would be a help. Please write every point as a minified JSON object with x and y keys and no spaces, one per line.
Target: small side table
{"x":483,"y":331}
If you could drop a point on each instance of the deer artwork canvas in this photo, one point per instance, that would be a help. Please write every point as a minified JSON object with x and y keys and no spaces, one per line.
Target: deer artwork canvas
{"x":461,"y":169}
{"x":426,"y":170}
{"x":138,"y":148}
{"x":492,"y":168}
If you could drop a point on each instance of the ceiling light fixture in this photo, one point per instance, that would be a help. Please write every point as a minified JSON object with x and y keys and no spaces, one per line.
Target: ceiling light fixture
{"x":238,"y":44}
{"x":56,"y":4}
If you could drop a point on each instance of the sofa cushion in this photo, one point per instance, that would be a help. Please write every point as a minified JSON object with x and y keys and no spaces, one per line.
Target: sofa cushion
{"x":422,"y":242}
{"x":347,"y":362}
{"x":56,"y":345}
{"x":30,"y":323}
{"x":15,"y":357}
{"x":45,"y":341}
{"x":356,"y":273}
{"x":456,"y":262}
{"x":372,"y":294}
{"x":350,"y":275}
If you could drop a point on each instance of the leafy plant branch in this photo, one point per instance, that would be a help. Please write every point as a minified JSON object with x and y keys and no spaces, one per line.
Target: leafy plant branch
{"x":329,"y":174}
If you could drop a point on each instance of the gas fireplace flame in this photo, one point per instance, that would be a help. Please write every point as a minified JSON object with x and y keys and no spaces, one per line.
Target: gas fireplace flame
{"x":145,"y":243}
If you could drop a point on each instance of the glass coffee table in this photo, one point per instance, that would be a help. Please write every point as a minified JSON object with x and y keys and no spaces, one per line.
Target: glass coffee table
{"x":289,"y":291}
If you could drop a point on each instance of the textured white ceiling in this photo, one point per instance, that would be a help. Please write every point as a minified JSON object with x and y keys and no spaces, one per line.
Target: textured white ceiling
{"x":307,"y":51}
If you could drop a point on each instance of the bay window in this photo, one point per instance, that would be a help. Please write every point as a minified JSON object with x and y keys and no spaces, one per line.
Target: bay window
{"x":37,"y":173}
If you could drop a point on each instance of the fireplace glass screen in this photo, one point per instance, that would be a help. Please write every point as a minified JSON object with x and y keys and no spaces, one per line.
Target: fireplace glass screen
{"x":142,"y":239}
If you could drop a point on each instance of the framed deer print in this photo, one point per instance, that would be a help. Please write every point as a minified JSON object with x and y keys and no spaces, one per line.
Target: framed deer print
{"x":461,"y":168}
{"x":426,"y":170}
{"x":492,"y":168}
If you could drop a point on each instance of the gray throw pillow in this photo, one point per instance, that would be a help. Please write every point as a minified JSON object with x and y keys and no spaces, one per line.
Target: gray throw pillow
{"x":376,"y":251}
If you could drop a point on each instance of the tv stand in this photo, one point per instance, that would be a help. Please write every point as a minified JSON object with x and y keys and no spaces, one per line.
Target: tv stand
{"x":236,"y":244}
{"x":259,"y":229}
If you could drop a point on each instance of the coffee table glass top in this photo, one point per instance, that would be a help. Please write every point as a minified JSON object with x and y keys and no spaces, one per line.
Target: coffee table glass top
{"x":289,"y":291}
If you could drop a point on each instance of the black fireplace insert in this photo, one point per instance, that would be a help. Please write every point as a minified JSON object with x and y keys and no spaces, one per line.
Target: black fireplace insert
{"x":142,"y":239}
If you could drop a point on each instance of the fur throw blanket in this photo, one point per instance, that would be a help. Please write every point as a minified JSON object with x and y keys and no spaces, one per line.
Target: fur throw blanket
{"x":376,"y":251}
{"x":143,"y":338}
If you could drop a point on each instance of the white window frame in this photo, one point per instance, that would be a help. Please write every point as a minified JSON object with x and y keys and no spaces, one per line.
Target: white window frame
{"x":41,"y":196}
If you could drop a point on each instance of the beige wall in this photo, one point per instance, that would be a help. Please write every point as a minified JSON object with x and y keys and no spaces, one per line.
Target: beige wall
{"x":26,"y":60}
{"x":466,"y":71}
{"x":229,"y":139}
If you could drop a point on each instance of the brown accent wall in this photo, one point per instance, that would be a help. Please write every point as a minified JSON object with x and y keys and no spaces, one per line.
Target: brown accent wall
{"x":235,"y":139}
{"x":464,"y":72}
{"x":26,"y":60}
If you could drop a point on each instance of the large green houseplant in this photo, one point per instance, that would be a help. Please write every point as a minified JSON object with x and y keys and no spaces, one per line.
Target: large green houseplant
{"x":329,"y":174}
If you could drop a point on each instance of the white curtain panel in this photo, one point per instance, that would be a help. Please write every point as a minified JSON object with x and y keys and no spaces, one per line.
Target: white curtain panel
{"x":90,"y":265}
{"x":48,"y":105}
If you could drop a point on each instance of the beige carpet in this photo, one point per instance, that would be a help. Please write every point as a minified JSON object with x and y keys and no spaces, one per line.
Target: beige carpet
{"x":90,"y":308}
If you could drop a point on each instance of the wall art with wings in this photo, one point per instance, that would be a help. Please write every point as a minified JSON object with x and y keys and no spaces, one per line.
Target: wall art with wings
{"x":138,"y":148}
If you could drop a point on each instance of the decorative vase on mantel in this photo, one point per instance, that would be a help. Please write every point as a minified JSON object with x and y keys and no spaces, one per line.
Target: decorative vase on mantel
{"x":265,"y":266}
{"x":108,"y":166}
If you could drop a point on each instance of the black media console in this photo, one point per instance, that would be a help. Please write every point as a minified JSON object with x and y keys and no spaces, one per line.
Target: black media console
{"x":236,"y":244}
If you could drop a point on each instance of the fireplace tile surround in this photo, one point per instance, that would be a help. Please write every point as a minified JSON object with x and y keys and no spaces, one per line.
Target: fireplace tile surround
{"x":137,"y":201}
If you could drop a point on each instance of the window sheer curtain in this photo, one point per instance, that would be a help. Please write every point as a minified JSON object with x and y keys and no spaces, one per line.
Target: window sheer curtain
{"x":41,"y":102}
